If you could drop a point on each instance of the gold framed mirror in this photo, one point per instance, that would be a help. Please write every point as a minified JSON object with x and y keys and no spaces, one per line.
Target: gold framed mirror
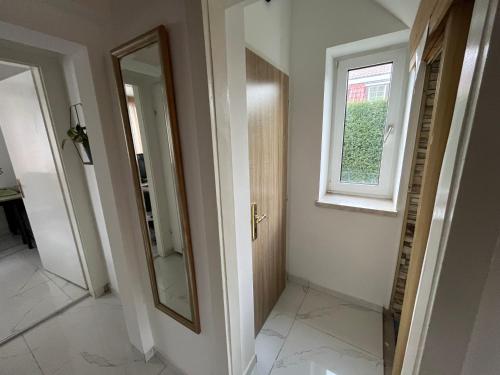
{"x":145,"y":88}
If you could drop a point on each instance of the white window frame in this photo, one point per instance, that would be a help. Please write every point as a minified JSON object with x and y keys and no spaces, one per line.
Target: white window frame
{"x":395,"y":109}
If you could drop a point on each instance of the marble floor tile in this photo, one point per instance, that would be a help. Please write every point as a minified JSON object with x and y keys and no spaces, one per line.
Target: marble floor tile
{"x":10,"y":245}
{"x":19,"y":272}
{"x":267,"y":347}
{"x":169,"y":370}
{"x":354,"y":324}
{"x":8,"y":241}
{"x":308,"y":351}
{"x":26,"y":308}
{"x":88,"y":338}
{"x":16,"y":359}
{"x":281,"y":318}
{"x":28,"y":293}
{"x":271,"y":338}
{"x":71,"y":290}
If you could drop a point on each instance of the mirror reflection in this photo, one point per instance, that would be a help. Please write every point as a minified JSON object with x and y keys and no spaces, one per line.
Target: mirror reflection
{"x":154,"y":150}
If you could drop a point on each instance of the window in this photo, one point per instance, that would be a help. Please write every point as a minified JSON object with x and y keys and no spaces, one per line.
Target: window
{"x":367,"y":112}
{"x":377,"y":92}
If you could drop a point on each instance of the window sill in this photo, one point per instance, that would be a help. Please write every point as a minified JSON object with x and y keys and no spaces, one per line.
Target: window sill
{"x":358,"y":204}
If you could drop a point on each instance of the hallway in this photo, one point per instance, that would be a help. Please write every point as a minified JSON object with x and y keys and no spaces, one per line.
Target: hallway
{"x":312,"y":333}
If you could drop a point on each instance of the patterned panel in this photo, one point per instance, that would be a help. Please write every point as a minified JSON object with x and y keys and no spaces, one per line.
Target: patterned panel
{"x":413,"y":199}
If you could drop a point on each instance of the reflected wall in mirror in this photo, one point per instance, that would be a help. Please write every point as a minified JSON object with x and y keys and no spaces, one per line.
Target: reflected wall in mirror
{"x":144,"y":81}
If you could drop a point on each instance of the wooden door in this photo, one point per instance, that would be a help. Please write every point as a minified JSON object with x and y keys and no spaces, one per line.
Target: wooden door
{"x":267,"y":106}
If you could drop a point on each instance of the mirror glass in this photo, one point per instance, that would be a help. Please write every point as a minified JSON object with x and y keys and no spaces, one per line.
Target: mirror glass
{"x":154,"y":150}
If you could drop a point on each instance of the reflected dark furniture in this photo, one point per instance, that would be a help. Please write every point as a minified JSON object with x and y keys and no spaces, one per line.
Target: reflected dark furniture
{"x":17,"y":218}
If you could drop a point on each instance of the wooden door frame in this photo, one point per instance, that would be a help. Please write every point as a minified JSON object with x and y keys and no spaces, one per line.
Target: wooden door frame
{"x":451,"y":43}
{"x":451,"y":47}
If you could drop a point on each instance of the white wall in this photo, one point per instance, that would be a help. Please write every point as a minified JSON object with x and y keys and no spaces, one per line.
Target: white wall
{"x":194,"y":354}
{"x":267,"y":31}
{"x":349,"y":252}
{"x":483,"y":352}
{"x":90,"y":174}
{"x":44,"y":25}
{"x":89,"y":35}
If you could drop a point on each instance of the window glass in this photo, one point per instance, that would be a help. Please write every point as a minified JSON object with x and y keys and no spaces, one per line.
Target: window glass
{"x":365,"y":123}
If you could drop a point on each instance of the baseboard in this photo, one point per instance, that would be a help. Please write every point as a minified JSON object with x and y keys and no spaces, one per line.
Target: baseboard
{"x":100,"y":291}
{"x":354,"y":300}
{"x":149,"y":354}
{"x":251,"y":365}
{"x":174,"y":370}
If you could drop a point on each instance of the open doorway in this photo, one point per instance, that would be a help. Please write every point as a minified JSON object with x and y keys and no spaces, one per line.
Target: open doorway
{"x":364,"y":137}
{"x":40,"y":269}
{"x":288,"y":64}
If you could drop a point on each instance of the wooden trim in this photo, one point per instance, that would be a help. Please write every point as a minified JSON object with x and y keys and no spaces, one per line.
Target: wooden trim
{"x":159,"y":35}
{"x":419,"y":25}
{"x":434,"y":46}
{"x":389,"y":340}
{"x":454,"y":42}
{"x":431,"y":13}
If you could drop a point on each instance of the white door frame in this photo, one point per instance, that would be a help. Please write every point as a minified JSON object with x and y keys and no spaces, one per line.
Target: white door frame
{"x":219,"y":77}
{"x":230,"y":137}
{"x":68,"y":265}
{"x":48,"y":77}
{"x":225,"y":54}
{"x":37,"y":72}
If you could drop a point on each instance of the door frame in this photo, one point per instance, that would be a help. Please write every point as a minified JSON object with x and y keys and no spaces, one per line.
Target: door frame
{"x":51,"y":134}
{"x":221,"y":85}
{"x":226,"y":68}
{"x":47,"y":70}
{"x":482,"y":19}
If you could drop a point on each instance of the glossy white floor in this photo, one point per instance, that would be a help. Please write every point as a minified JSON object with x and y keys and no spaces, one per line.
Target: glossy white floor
{"x":90,"y":338}
{"x":28,"y":293}
{"x":172,"y":283}
{"x":312,"y":333}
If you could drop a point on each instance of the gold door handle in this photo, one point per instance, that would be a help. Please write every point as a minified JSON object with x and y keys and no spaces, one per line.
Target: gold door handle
{"x":255,"y":219}
{"x":258,"y":218}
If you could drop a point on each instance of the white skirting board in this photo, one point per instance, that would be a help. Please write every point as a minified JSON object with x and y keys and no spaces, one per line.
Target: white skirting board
{"x":346,"y":297}
{"x":153,"y":351}
{"x":166,"y":361}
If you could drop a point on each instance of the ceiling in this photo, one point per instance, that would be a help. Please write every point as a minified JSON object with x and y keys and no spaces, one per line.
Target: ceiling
{"x":405,"y":10}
